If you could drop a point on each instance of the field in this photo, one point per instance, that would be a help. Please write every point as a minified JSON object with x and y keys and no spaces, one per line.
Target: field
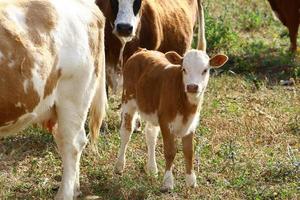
{"x":247,"y":145}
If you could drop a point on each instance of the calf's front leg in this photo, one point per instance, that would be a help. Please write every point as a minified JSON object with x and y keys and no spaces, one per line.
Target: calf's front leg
{"x":188,"y":151}
{"x":127,"y":118}
{"x":169,"y":152}
{"x":151,"y":133}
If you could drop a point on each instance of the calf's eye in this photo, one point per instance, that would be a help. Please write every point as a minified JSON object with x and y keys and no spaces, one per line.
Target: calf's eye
{"x":204,"y":72}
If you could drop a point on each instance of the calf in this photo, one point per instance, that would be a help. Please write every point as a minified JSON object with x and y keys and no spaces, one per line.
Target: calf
{"x":167,"y":91}
{"x":153,"y":24}
{"x":289,"y":14}
{"x":52,"y":69}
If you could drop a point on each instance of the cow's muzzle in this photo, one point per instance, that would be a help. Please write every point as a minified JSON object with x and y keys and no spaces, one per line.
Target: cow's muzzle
{"x":124,"y":30}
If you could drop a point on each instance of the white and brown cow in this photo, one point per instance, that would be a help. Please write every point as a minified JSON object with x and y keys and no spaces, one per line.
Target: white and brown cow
{"x":52,"y":69}
{"x":163,"y":25}
{"x":167,"y":91}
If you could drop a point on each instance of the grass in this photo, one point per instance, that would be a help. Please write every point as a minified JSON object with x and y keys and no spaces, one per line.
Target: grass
{"x":247,"y":145}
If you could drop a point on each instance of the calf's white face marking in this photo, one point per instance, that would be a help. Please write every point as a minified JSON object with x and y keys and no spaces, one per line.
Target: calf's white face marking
{"x":195,"y":68}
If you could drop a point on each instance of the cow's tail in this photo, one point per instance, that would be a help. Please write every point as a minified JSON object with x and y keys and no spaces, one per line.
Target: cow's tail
{"x":99,"y":102}
{"x":201,"y":27}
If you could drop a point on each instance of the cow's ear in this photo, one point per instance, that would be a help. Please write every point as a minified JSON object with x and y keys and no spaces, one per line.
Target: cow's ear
{"x":218,"y":61}
{"x":174,"y":57}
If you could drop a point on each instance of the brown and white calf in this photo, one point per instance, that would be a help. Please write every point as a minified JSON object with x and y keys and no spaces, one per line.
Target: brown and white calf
{"x":152,"y":24}
{"x":167,"y":91}
{"x":288,"y":13}
{"x":52,"y":69}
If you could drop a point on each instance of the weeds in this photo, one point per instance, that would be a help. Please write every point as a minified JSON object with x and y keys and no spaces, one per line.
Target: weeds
{"x":246,"y":147}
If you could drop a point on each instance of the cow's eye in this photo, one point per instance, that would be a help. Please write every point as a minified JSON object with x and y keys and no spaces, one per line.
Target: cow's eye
{"x":114,"y":6}
{"x":183,"y":70}
{"x":136,"y":6}
{"x":204,"y":72}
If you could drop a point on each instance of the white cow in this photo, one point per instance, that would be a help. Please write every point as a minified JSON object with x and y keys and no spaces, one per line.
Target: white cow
{"x":52,"y":69}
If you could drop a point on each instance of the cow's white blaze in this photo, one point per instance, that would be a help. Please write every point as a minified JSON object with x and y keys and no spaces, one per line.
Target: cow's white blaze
{"x":126,"y":16}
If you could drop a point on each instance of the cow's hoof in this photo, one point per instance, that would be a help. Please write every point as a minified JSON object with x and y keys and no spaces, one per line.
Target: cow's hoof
{"x":77,"y":193}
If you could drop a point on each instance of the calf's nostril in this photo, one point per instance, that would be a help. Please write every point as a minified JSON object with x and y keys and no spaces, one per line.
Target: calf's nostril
{"x":192,"y":88}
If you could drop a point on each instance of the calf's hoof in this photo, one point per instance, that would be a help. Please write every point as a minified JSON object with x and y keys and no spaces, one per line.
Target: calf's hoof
{"x":168,"y":182}
{"x":151,"y":170}
{"x":165,"y":189}
{"x":61,"y":196}
{"x":191,"y":180}
{"x":119,"y":167}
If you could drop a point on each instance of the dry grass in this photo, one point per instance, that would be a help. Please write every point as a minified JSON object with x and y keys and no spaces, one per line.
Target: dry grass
{"x":247,"y":145}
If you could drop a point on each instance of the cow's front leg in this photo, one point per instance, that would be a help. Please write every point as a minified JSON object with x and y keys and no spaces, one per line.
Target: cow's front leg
{"x":188,"y":151}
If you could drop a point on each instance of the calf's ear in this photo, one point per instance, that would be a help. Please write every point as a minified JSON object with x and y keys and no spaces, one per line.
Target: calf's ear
{"x":174,"y":57}
{"x":218,"y":61}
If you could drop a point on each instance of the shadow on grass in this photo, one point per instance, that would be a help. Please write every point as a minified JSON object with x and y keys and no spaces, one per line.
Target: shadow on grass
{"x":258,"y":59}
{"x":32,"y":141}
{"x":107,"y":185}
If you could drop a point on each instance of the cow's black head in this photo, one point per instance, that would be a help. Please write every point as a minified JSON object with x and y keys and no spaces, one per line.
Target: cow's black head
{"x":127,"y":16}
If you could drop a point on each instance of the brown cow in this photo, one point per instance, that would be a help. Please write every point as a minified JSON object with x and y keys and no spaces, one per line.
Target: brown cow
{"x":48,"y":50}
{"x":289,"y":14}
{"x":167,"y":91}
{"x":163,"y":25}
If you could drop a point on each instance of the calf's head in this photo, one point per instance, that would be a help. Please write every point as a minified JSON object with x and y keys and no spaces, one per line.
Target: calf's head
{"x":127,"y":16}
{"x":195,"y":66}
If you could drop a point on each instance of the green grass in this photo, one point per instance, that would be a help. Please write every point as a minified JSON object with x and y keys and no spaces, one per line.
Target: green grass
{"x":246,"y":147}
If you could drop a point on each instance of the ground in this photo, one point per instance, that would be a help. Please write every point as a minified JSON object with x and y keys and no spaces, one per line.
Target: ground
{"x":247,"y":145}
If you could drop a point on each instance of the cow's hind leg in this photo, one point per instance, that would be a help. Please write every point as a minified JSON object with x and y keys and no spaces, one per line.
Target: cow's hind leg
{"x":71,"y":140}
{"x":71,"y":109}
{"x":127,"y":119}
{"x":151,"y":133}
{"x":293,"y":32}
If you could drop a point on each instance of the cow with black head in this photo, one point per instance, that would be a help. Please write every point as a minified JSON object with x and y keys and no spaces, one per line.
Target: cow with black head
{"x":152,"y":24}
